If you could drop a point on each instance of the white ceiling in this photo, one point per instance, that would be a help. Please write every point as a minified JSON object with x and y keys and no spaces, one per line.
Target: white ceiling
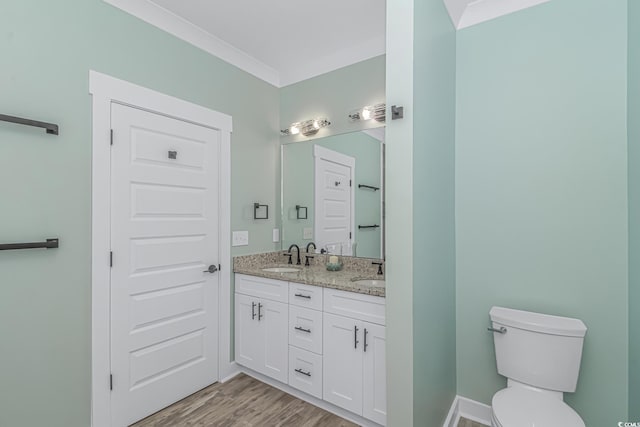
{"x":287,"y":41}
{"x":465,"y":13}
{"x":298,"y":39}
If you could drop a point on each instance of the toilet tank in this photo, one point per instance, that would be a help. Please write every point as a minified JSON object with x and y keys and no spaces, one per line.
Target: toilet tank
{"x":538,"y":349}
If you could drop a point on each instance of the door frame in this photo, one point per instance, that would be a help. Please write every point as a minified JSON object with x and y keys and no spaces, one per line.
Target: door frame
{"x":323,"y":153}
{"x":106,"y":90}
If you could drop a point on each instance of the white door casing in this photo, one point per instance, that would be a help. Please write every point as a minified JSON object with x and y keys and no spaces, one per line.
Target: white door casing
{"x":107,"y":91}
{"x":334,"y":199}
{"x":164,"y":226}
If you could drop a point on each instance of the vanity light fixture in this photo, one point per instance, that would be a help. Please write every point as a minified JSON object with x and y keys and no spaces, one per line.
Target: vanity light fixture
{"x":376,"y":112}
{"x":307,"y":127}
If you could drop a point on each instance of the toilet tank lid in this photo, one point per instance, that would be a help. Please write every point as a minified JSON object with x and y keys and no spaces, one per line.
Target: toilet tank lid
{"x":544,"y":323}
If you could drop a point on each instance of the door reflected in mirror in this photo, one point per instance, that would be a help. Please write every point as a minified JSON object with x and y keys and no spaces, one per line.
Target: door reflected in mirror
{"x":333,"y":193}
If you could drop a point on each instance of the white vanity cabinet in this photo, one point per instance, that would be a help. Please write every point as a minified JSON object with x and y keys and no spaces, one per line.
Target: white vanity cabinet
{"x":327,"y":343}
{"x":261,"y":335}
{"x":354,"y":371}
{"x":305,"y":338}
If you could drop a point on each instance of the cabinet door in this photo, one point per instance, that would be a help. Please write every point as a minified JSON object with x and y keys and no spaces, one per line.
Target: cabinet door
{"x":342,"y":362}
{"x":249,"y":339}
{"x":374,"y":379}
{"x":274,"y":319}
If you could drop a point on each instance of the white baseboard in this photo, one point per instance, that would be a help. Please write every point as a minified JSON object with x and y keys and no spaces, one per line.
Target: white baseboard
{"x":349,"y":416}
{"x":230,"y":372}
{"x":469,"y":409}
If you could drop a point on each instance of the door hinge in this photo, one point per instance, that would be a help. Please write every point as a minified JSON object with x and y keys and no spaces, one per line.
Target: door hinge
{"x":350,"y":184}
{"x":111,"y":382}
{"x":349,"y":235}
{"x":111,"y":259}
{"x":111,"y":137}
{"x":219,"y":267}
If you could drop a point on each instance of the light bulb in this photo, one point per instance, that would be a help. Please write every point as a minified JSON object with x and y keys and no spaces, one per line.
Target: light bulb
{"x":294,"y":130}
{"x":366,"y":114}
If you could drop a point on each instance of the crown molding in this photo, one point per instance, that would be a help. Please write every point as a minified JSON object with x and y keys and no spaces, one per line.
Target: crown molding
{"x":183,"y":29}
{"x":465,"y":13}
{"x":315,"y":66}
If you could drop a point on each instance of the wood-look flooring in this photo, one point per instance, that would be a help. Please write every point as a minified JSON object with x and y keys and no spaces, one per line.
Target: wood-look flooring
{"x":242,"y":401}
{"x":468,"y":423}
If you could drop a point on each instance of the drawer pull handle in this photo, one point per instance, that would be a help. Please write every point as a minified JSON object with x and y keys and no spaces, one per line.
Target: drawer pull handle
{"x":298,"y":328}
{"x":355,"y":337}
{"x":300,"y":371}
{"x":253,"y":311}
{"x":260,"y":315}
{"x":365,"y":340}
{"x":303,"y":296}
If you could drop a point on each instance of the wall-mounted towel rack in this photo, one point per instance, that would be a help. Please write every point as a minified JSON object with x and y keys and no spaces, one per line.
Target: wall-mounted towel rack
{"x":257,"y":207}
{"x":48,"y":244}
{"x":369,"y":187}
{"x":299,"y":212}
{"x":50,"y":127}
{"x":368,"y":226}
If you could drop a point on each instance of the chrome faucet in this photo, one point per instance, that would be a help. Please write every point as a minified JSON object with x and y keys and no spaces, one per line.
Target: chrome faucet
{"x":298,"y":252}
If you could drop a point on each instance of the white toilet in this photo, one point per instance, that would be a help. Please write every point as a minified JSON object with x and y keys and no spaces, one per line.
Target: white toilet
{"x":540,"y":356}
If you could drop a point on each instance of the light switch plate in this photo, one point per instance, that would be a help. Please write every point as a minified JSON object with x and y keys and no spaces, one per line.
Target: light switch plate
{"x":276,"y":235}
{"x":307,"y":233}
{"x":240,"y":238}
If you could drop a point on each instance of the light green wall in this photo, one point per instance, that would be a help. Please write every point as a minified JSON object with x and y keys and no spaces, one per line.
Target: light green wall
{"x":334,"y":95}
{"x":298,"y":172}
{"x":421,"y":346}
{"x":541,"y":189}
{"x":399,"y":216}
{"x":434,"y":308}
{"x":47,"y":51}
{"x":634,"y":210}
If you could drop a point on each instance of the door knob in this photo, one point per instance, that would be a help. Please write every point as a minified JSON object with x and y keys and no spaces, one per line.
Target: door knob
{"x":212,"y":269}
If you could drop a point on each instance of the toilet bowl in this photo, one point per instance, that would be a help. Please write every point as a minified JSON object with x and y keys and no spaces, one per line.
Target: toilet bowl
{"x":519,"y":407}
{"x":540,"y":356}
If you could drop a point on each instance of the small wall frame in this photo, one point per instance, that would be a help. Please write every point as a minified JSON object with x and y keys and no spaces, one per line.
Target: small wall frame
{"x":301,"y":212}
{"x":260,"y":211}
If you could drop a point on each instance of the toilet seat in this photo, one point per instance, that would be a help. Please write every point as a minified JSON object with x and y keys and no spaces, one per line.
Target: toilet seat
{"x":519,"y":407}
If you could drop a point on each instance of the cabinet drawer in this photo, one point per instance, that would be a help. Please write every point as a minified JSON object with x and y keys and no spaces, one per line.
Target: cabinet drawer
{"x":354,"y":305}
{"x":275,"y":290}
{"x":305,"y":295}
{"x":305,"y":371}
{"x":305,"y":328}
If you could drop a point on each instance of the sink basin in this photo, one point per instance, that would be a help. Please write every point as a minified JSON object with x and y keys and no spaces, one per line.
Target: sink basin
{"x":281,"y":270}
{"x":370,"y":283}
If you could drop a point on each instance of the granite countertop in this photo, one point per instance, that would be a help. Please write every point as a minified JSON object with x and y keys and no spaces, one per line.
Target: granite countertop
{"x":316,"y":274}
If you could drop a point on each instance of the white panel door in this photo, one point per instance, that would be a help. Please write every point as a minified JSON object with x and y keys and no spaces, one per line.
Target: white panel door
{"x":164,"y":235}
{"x":342,"y":362}
{"x":274,"y":319}
{"x":374,"y":375}
{"x":334,"y":221}
{"x":249,"y":336}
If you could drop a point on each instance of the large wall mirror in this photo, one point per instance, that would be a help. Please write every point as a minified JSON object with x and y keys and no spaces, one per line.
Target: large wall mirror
{"x":333,"y":193}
